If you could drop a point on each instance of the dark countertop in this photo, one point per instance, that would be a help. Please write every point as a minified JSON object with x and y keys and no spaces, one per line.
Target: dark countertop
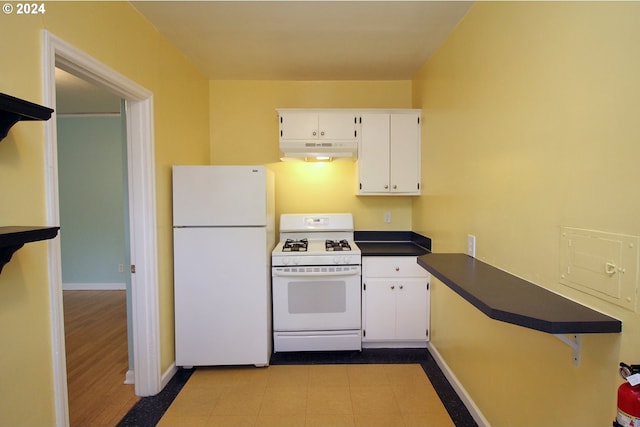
{"x":507,"y":298}
{"x":391,"y":249}
{"x":392,"y":243}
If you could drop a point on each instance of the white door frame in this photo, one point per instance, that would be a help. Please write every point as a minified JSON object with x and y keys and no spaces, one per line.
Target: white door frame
{"x":142,"y":216}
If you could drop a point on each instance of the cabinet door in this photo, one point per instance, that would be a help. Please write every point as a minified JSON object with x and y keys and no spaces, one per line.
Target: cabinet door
{"x":373,"y":155}
{"x":337,"y":126}
{"x":411,"y":309}
{"x":298,"y":126}
{"x":380,"y":310}
{"x":405,"y":153}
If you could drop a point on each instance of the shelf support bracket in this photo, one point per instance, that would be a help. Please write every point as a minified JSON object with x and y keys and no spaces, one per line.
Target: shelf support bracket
{"x":575,"y":343}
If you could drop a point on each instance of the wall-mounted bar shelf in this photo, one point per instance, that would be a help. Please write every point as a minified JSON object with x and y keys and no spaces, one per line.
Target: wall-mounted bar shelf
{"x":13,"y":110}
{"x":505,"y":297}
{"x":13,"y":238}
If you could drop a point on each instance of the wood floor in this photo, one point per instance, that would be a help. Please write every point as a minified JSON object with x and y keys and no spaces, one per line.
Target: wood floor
{"x":97,"y":358}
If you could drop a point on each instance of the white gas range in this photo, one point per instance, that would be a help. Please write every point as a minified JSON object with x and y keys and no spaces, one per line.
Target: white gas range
{"x":316,"y":280}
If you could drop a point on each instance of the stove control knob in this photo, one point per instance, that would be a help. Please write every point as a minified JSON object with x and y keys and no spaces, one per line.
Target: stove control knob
{"x":296,"y":261}
{"x":285,"y":261}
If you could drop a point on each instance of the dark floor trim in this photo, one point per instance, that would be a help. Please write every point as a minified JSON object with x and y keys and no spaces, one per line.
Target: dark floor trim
{"x":149,"y":410}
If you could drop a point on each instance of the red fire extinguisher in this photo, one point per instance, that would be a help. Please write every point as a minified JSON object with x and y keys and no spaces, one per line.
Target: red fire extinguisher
{"x":629,"y":397}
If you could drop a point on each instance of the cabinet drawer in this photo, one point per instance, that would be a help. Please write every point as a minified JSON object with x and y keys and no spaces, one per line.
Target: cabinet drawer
{"x":392,"y":267}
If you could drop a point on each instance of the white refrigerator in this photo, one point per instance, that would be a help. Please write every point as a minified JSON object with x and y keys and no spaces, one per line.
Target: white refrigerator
{"x":223,"y":235}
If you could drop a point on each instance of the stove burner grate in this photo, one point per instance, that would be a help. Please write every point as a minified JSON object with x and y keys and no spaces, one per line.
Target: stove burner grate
{"x":337,"y":245}
{"x":291,"y":245}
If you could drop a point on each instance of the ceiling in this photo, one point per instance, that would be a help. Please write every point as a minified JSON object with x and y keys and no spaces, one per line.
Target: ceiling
{"x":306,"y":40}
{"x":288,"y":40}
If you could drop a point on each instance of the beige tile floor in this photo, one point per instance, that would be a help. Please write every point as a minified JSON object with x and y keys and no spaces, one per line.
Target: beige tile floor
{"x":308,"y":395}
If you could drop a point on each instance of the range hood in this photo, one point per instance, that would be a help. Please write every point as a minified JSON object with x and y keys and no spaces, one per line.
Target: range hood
{"x":318,"y":150}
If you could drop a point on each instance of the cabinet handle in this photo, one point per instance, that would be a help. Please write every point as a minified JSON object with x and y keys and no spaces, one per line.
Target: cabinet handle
{"x":386,"y":187}
{"x":397,"y":268}
{"x":401,"y":287}
{"x":392,"y":287}
{"x":315,"y":133}
{"x":322,"y":133}
{"x":395,"y":187}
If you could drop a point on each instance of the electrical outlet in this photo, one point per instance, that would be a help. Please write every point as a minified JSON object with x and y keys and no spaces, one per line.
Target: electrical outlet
{"x":120,"y":268}
{"x":471,"y":245}
{"x":387,"y":217}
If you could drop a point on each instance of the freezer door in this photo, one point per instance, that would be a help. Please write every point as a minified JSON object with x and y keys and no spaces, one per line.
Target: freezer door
{"x":219,"y":196}
{"x":222,"y":296}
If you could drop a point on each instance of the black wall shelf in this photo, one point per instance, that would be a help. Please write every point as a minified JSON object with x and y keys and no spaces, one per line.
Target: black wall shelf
{"x":503,"y":296}
{"x":13,"y":110}
{"x":13,"y":238}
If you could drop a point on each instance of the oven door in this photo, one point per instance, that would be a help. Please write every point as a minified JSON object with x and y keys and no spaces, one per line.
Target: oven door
{"x":316,"y":298}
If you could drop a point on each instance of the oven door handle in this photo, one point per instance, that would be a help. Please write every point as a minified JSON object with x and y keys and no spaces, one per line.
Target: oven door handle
{"x":354,"y":272}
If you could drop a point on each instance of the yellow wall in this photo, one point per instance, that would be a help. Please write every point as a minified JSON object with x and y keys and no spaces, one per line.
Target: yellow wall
{"x":531,"y":124}
{"x":115,"y":34}
{"x":531,"y":112}
{"x":244,"y":130}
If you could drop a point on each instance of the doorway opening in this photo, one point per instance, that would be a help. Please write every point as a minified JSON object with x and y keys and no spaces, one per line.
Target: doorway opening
{"x":93,"y":200}
{"x":142,"y":216}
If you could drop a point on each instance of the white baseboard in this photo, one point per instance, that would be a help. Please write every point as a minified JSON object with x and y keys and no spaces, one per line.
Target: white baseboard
{"x":129,"y":378}
{"x":167,"y":375}
{"x":94,"y":286}
{"x":457,"y":386}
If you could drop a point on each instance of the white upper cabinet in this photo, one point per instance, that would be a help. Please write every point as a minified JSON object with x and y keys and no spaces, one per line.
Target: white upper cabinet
{"x":389,"y":153}
{"x":404,"y":149}
{"x":373,"y":154}
{"x":386,"y":143}
{"x":300,"y":125}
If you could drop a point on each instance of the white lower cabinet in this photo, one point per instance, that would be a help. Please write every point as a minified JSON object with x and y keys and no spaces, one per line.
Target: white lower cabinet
{"x":395,"y":302}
